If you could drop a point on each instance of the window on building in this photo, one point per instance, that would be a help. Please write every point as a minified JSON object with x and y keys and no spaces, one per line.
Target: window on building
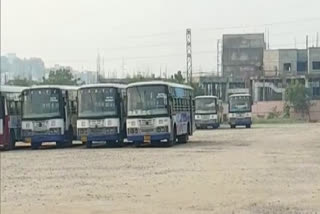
{"x":316,"y":65}
{"x":302,"y":67}
{"x":316,"y":92}
{"x":287,"y":67}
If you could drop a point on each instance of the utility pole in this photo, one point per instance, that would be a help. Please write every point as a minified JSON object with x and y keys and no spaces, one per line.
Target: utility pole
{"x":268,"y":39}
{"x":219,"y":50}
{"x":317,"y":43}
{"x":103,"y":71}
{"x":189,"y":56}
{"x":98,"y":67}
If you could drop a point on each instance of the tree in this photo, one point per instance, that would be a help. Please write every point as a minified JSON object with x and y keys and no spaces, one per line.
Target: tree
{"x":62,"y":76}
{"x":21,"y":82}
{"x":178,"y":77}
{"x":298,"y":97}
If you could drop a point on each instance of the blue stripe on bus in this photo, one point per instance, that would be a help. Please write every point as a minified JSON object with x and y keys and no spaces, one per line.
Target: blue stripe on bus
{"x":48,"y":138}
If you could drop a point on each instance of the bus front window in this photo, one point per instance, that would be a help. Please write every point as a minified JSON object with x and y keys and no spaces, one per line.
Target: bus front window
{"x":41,"y":104}
{"x":240,"y":104}
{"x":147,"y":100}
{"x":97,"y":102}
{"x":206,"y":106}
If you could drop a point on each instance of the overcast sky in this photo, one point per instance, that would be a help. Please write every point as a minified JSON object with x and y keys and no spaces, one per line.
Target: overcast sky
{"x":146,"y":34}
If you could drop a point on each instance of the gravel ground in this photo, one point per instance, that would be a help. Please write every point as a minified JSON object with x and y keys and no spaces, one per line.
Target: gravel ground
{"x":266,"y":169}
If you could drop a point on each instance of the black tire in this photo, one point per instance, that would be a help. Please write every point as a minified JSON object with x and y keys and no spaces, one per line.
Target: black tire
{"x":248,"y":126}
{"x":60,"y":144}
{"x":71,"y":137}
{"x":183,"y":139}
{"x":173,"y":140}
{"x":120,"y":142}
{"x":233,"y":126}
{"x":89,"y":144}
{"x":137,"y":145}
{"x":12,"y":141}
{"x":35,"y":146}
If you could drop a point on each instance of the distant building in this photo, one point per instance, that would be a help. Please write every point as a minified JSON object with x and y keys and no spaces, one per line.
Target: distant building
{"x":88,"y":77}
{"x":291,"y":62}
{"x":13,"y":67}
{"x":242,"y":55}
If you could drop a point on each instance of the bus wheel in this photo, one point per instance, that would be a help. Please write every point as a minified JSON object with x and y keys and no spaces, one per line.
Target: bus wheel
{"x":183,"y":139}
{"x":248,"y":126}
{"x":35,"y":146}
{"x":120,"y":142}
{"x":60,"y":144}
{"x":172,"y":141}
{"x":233,"y":126}
{"x":12,"y":141}
{"x":89,"y":144}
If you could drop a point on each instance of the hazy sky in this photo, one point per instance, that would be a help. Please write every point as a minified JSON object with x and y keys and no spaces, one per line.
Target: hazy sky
{"x":146,"y":34}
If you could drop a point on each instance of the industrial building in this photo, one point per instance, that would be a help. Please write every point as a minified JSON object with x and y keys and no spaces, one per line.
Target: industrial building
{"x":248,"y":66}
{"x":242,"y":55}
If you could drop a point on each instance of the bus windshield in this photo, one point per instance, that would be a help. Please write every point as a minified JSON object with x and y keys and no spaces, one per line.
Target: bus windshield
{"x":41,"y":103}
{"x":97,"y":102}
{"x":147,"y":100}
{"x":240,"y":104}
{"x":206,"y":106}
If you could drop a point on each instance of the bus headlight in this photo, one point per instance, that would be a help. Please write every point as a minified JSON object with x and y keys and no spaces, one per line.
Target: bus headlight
{"x":213,"y":117}
{"x":112,"y":130}
{"x":83,"y":132}
{"x":162,"y":129}
{"x":133,"y":131}
{"x":55,"y":131}
{"x":26,"y":133}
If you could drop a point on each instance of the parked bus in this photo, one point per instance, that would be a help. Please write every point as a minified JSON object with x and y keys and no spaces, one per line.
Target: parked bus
{"x":208,"y":112}
{"x":49,"y":115}
{"x":240,"y":110}
{"x":159,"y":113}
{"x":10,"y":116}
{"x":101,"y":114}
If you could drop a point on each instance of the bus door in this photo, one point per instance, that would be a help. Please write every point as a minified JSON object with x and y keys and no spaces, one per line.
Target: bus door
{"x":4,"y":122}
{"x":192,"y":114}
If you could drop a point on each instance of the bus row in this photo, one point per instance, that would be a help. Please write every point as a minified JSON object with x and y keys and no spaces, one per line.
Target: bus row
{"x":158,"y":113}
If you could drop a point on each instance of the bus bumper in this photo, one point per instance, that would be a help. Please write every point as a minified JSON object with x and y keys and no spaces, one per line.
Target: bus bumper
{"x":113,"y":137}
{"x":207,"y":124}
{"x":45,"y":138}
{"x":240,"y":121}
{"x":154,"y":138}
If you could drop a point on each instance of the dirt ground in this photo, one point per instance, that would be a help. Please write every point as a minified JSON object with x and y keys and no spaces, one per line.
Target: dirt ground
{"x":266,"y":169}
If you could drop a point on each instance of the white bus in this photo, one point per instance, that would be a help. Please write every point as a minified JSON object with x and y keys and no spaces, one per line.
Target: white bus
{"x":101,"y":114}
{"x":10,"y":116}
{"x":208,"y":112}
{"x":240,"y":110}
{"x":49,"y":115}
{"x":159,"y":113}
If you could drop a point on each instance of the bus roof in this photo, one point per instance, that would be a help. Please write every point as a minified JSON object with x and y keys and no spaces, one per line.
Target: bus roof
{"x":62,"y":87}
{"x":201,"y":97}
{"x":11,"y":89}
{"x":240,"y":95}
{"x":160,"y":83}
{"x":103,"y":85}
